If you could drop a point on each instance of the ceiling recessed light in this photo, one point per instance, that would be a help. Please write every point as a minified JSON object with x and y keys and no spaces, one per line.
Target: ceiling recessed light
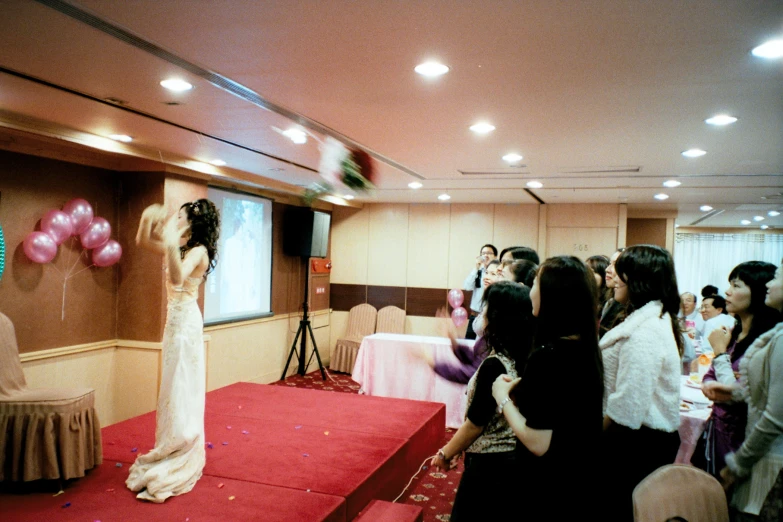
{"x":705,"y":208}
{"x":773,"y":213}
{"x":661,"y":196}
{"x":534,"y":184}
{"x":720,"y":119}
{"x":431,"y":69}
{"x":121,"y":137}
{"x":676,"y":225}
{"x":298,"y":136}
{"x":671,"y":183}
{"x":482,"y":128}
{"x":444,"y":197}
{"x":415,"y":185}
{"x":176,"y":85}
{"x":512,"y":157}
{"x":218,"y":162}
{"x":758,"y":218}
{"x":772,"y":49}
{"x":348,"y":196}
{"x":764,"y":227}
{"x":745,"y":222}
{"x":694,"y":153}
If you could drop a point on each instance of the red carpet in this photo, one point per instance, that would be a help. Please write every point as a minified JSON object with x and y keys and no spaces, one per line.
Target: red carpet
{"x":283,"y":453}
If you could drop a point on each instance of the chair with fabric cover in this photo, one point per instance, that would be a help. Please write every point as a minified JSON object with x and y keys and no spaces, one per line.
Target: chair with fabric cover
{"x":679,"y":490}
{"x":44,"y":433}
{"x":361,"y":322}
{"x":390,"y":320}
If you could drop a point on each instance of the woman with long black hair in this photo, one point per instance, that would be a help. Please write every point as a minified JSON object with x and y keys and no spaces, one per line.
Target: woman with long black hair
{"x":555,"y":408}
{"x":485,"y":437}
{"x":642,"y":367}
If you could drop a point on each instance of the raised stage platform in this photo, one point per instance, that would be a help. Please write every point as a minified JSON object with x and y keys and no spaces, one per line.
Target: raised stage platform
{"x":283,"y":454}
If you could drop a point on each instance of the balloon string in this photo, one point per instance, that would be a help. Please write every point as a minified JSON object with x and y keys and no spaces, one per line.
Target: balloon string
{"x":68,"y":259}
{"x":62,"y":315}
{"x":74,"y":264}
{"x":58,"y":270}
{"x":80,"y":271}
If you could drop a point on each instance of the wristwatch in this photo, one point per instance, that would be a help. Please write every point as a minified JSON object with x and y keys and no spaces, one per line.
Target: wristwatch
{"x":442,"y":455}
{"x":501,"y":404}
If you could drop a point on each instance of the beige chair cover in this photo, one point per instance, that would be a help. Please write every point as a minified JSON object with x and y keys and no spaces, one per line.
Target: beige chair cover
{"x":390,"y":320}
{"x":361,"y":322}
{"x":679,"y":490}
{"x":44,"y":433}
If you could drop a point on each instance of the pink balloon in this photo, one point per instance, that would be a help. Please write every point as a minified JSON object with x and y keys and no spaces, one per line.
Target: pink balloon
{"x":107,"y":254}
{"x":57,"y":225}
{"x":456,"y":297}
{"x":39,"y":247}
{"x":80,"y":213}
{"x":459,"y":316}
{"x":96,"y":233}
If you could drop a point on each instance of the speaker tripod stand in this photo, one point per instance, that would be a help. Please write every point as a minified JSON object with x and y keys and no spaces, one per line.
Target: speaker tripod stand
{"x":301,"y":334}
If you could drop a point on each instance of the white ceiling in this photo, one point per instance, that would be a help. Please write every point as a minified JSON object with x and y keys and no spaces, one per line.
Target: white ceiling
{"x":575,"y":87}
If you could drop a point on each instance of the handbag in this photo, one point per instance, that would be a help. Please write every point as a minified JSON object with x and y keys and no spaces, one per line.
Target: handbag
{"x":704,"y":453}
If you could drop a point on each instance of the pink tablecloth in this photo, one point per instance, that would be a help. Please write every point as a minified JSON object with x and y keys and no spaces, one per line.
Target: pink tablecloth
{"x":386,"y":367}
{"x":691,"y":422}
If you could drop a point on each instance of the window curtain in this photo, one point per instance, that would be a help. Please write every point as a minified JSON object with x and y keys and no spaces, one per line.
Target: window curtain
{"x":707,"y":259}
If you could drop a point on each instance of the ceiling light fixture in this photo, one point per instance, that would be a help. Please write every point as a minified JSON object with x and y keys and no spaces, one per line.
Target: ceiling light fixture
{"x":348,"y":197}
{"x":298,"y":136}
{"x":773,"y":213}
{"x":758,"y":218}
{"x":661,"y":196}
{"x":444,"y":197}
{"x":694,"y":153}
{"x":512,"y":157}
{"x":176,"y":85}
{"x":764,"y":227}
{"x":771,"y":50}
{"x":705,"y":208}
{"x":745,"y":222}
{"x":218,"y":162}
{"x":482,"y":128}
{"x":720,"y":119}
{"x":431,"y":69}
{"x":415,"y":185}
{"x":671,"y":183}
{"x":534,"y":184}
{"x":121,"y":137}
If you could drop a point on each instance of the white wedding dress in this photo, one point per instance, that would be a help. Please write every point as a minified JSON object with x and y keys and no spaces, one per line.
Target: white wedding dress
{"x":174,"y":465}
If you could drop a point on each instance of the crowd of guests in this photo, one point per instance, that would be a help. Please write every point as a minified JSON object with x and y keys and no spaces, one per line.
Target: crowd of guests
{"x":576,"y":367}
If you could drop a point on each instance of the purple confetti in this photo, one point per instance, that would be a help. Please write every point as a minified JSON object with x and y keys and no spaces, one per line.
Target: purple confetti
{"x":67,"y":504}
{"x":245,"y":432}
{"x":119,"y":464}
{"x":225,"y":443}
{"x":305,"y":454}
{"x":298,"y":427}
{"x":209,"y":445}
{"x":134,"y":450}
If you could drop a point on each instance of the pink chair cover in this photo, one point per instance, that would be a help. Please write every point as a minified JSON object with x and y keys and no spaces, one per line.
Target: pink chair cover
{"x":678,"y":490}
{"x":44,"y":433}
{"x":361,"y":322}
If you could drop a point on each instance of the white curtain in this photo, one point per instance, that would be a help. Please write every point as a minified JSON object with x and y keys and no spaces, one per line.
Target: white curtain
{"x":707,"y":259}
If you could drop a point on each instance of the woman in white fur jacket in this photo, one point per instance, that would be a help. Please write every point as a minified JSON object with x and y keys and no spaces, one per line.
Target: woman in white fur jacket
{"x":642,"y":366}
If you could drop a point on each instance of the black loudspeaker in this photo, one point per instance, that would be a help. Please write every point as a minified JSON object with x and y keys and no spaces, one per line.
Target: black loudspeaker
{"x":305,"y":232}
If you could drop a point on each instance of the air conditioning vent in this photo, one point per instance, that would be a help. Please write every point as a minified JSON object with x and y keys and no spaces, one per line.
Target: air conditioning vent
{"x":510,"y":172}
{"x":625,"y":169}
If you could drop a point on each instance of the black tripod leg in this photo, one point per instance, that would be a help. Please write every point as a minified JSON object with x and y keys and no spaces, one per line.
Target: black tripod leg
{"x":291,"y":353}
{"x":315,"y":351}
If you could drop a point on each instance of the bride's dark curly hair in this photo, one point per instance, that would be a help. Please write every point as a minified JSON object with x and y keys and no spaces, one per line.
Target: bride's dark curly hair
{"x":204,"y":220}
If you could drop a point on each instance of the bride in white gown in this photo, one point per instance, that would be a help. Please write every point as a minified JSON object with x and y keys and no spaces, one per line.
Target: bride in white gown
{"x":188,"y":242}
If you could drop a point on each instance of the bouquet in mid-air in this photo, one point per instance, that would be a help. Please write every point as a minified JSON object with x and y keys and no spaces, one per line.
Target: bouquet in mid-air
{"x":343,"y":170}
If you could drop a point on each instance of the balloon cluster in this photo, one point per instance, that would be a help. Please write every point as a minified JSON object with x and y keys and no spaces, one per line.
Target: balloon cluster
{"x":75,"y":219}
{"x":459,"y":315}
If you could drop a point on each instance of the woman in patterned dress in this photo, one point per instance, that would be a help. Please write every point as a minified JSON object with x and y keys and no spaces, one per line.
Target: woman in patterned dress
{"x":188,"y":243}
